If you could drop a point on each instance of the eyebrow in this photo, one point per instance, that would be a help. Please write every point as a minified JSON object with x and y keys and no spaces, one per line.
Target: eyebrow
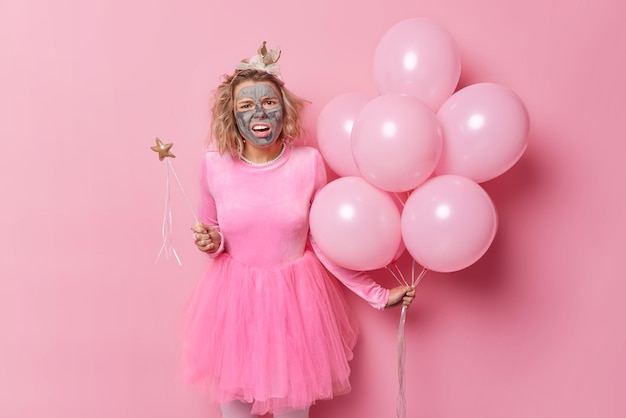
{"x":250,"y":99}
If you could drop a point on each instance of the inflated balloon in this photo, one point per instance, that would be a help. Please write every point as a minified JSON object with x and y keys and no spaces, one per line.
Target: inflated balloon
{"x":399,"y":199}
{"x":334,"y":129}
{"x":355,"y":224}
{"x":400,"y":252}
{"x":485,"y":128}
{"x":418,"y":57}
{"x":448,"y":223}
{"x":396,"y":142}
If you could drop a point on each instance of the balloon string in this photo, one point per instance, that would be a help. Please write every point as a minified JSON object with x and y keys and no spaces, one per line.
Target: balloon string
{"x":420,"y":277}
{"x":401,"y":407}
{"x":170,"y":168}
{"x":399,"y":199}
{"x":404,"y":282}
{"x":167,"y":247}
{"x":399,"y":277}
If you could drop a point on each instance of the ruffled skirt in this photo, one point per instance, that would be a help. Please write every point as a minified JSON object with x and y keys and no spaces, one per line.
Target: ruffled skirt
{"x":277,"y":337}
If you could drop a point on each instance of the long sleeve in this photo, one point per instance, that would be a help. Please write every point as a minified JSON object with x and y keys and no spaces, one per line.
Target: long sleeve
{"x":358,"y":282}
{"x":207,"y":211}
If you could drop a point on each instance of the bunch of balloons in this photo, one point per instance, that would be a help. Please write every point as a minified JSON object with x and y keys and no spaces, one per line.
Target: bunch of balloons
{"x":418,"y":138}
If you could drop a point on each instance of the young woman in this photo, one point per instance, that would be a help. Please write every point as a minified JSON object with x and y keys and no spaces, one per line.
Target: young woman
{"x":268,"y":329}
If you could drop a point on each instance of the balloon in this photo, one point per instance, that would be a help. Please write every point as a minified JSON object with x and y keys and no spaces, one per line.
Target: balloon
{"x":485,"y":128}
{"x":448,"y":223}
{"x":355,"y":224}
{"x":396,"y":142}
{"x":399,"y":200}
{"x":420,"y":58}
{"x":400,"y":252}
{"x":334,"y":128}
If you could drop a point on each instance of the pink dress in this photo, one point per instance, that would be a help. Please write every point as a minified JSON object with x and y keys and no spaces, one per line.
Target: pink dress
{"x":267,"y":324}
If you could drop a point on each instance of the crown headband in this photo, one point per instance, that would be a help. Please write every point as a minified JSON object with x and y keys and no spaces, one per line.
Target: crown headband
{"x":265,"y":60}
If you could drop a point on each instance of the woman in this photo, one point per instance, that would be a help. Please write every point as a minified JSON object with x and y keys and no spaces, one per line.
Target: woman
{"x":268,"y":329}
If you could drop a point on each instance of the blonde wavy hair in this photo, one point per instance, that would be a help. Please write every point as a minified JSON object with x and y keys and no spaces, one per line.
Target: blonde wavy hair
{"x":224,"y":129}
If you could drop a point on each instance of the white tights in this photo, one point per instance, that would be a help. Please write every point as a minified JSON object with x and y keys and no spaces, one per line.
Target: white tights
{"x":237,"y":409}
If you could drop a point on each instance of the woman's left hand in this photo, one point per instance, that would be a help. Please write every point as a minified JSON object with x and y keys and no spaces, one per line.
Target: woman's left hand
{"x":401,"y":295}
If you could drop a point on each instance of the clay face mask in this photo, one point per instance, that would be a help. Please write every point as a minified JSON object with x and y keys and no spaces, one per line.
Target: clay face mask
{"x":259,"y":114}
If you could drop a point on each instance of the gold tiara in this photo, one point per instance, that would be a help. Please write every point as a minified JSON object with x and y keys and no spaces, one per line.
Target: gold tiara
{"x":265,"y":60}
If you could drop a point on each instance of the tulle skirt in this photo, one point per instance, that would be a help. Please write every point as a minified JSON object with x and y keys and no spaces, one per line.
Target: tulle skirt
{"x":277,"y":337}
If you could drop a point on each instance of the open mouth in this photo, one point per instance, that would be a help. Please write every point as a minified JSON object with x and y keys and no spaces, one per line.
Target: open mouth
{"x":261,"y":130}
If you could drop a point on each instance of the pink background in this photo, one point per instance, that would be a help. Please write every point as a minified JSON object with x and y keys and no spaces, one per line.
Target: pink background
{"x":88,"y":320}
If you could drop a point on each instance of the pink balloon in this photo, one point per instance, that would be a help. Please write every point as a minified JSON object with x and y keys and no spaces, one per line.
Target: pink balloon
{"x":400,"y":252}
{"x":420,"y":58}
{"x":399,"y":199}
{"x":448,"y":223}
{"x":396,"y":142}
{"x":355,"y":224}
{"x":485,"y":128}
{"x":334,"y":128}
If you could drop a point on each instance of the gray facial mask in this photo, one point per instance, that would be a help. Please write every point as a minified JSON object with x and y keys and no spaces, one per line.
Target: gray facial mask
{"x":262,"y":122}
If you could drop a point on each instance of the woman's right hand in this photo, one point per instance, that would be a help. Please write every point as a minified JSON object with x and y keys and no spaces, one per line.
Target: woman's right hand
{"x":207,"y":238}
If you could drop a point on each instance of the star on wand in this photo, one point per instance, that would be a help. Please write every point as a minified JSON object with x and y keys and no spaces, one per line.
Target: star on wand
{"x":163,"y":149}
{"x":166,"y":231}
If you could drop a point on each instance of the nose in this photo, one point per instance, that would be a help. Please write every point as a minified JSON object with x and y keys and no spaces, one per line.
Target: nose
{"x":259,"y":112}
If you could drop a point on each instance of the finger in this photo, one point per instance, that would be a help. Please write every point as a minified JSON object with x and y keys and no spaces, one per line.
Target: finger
{"x":199,"y":237}
{"x":205,"y":247}
{"x":198,"y":227}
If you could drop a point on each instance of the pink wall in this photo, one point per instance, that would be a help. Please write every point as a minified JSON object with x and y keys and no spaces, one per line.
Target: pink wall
{"x":88,"y":320}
